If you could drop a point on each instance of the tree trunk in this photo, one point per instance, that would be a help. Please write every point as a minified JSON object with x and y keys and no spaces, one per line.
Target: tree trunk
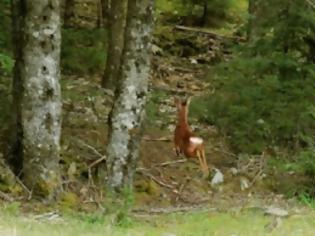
{"x":99,"y":21}
{"x":128,"y":112}
{"x":105,"y":12}
{"x":36,"y":94}
{"x":115,"y":45}
{"x":68,"y":12}
{"x":205,"y":16}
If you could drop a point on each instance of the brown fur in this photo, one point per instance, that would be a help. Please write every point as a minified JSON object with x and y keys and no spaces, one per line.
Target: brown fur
{"x":183,"y":134}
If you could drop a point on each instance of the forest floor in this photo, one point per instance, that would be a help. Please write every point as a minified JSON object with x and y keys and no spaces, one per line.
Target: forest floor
{"x":172,"y":197}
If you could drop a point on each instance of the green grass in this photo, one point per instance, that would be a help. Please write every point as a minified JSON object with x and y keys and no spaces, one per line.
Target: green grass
{"x":194,"y":224}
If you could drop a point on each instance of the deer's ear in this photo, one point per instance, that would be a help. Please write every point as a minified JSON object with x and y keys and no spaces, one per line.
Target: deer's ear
{"x":187,"y":101}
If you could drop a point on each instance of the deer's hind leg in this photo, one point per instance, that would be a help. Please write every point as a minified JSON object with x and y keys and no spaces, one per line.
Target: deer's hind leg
{"x":202,"y":161}
{"x":203,"y":157}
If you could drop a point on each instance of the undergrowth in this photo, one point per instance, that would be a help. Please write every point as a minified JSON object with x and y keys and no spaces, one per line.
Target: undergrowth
{"x":265,"y":95}
{"x":83,"y":51}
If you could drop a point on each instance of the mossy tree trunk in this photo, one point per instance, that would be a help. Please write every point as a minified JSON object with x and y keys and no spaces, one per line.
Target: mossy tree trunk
{"x":128,"y":112}
{"x":36,"y":94}
{"x":116,"y":28}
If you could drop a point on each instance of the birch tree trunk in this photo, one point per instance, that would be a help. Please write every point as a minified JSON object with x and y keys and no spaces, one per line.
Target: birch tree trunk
{"x":116,"y":29}
{"x":128,"y":112}
{"x":36,"y":94}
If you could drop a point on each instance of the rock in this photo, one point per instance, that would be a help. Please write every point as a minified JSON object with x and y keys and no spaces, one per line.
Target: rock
{"x":234,"y":171}
{"x":244,"y":183}
{"x":72,"y":171}
{"x":156,"y":50}
{"x":193,"y":61}
{"x":276,"y":211}
{"x":218,"y":177}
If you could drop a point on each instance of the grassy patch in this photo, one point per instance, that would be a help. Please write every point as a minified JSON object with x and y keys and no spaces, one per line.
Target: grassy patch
{"x":245,"y":223}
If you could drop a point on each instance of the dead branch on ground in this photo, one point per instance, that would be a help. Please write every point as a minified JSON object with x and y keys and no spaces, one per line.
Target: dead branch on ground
{"x":208,"y":33}
{"x":184,"y":209}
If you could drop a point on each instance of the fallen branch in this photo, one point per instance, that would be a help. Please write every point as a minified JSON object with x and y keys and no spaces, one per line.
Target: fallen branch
{"x":91,"y":182}
{"x":170,"y":163}
{"x":94,"y":163}
{"x":180,"y":191}
{"x":141,"y":169}
{"x":159,"y":182}
{"x":211,"y":34}
{"x":6,"y":197}
{"x":145,"y":212}
{"x":257,"y":176}
{"x":91,"y":148}
{"x":29,"y":192}
{"x":165,"y":139}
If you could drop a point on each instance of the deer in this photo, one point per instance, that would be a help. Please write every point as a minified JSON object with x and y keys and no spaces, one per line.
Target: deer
{"x":186,"y":142}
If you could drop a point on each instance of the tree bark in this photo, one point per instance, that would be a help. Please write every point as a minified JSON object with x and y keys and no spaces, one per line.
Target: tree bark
{"x":128,"y":112}
{"x":205,"y":16}
{"x":36,"y":94}
{"x":68,"y":12}
{"x":99,"y":21}
{"x":117,"y":22}
{"x":105,"y":12}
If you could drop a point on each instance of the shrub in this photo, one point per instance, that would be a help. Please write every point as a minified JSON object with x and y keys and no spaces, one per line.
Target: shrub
{"x":265,"y":95}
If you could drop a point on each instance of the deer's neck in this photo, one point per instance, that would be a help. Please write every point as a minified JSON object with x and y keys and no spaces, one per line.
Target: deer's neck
{"x":182,"y":118}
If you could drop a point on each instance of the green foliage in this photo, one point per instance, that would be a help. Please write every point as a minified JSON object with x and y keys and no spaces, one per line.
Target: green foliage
{"x":193,"y":11}
{"x":12,"y":209}
{"x":6,"y":64}
{"x":266,"y":93}
{"x":5,"y":26}
{"x":307,"y":200}
{"x":6,"y":61}
{"x":83,"y":51}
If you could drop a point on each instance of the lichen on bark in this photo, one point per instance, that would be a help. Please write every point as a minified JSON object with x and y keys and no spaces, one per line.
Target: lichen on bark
{"x":38,"y":97}
{"x":128,"y":112}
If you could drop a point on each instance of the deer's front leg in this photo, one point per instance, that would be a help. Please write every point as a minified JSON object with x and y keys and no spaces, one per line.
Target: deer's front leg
{"x":177,"y":150}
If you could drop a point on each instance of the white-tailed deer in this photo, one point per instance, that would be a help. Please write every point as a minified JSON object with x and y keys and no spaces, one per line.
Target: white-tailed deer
{"x":185,"y":140}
